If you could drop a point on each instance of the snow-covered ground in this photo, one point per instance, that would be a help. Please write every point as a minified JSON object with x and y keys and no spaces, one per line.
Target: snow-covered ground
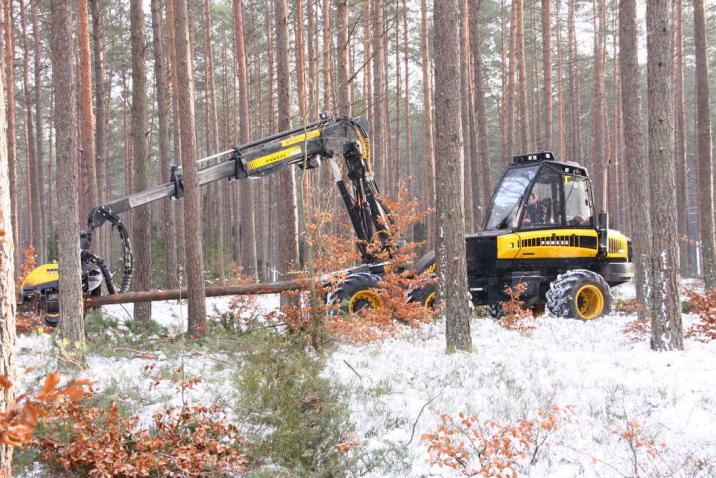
{"x":592,"y":366}
{"x":589,"y":365}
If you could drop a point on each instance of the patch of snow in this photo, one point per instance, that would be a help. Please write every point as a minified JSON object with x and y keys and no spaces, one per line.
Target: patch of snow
{"x":172,"y":314}
{"x":590,"y":365}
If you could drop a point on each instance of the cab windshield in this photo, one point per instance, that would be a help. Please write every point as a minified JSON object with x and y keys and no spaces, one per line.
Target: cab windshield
{"x":508,"y":197}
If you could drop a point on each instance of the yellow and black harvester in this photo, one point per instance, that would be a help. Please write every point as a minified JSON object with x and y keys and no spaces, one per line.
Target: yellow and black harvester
{"x":540,"y":229}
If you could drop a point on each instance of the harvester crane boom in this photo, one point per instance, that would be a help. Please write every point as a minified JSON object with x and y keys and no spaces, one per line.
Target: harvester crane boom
{"x":304,"y":147}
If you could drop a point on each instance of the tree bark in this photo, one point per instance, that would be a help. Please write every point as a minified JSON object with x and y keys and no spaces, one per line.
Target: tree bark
{"x":703,"y":148}
{"x":481,"y":174}
{"x":71,"y":323}
{"x":635,"y":150}
{"x":429,"y":146}
{"x":560,"y":82}
{"x":86,"y":114}
{"x":575,"y":135}
{"x":519,"y":28}
{"x":42,"y":252}
{"x":344,"y":98}
{"x":301,"y":62}
{"x":192,"y":195}
{"x":7,"y":277}
{"x":245,"y":189}
{"x":598,"y":159}
{"x":34,"y":196}
{"x":450,"y":237}
{"x":140,"y":232}
{"x":465,"y":107}
{"x":9,"y":64}
{"x":680,"y":149}
{"x":176,"y":127}
{"x":100,"y":109}
{"x":213,"y":140}
{"x":379,"y":128}
{"x":169,"y":231}
{"x":665,"y":307}
{"x":287,"y":218}
{"x":547,"y":72}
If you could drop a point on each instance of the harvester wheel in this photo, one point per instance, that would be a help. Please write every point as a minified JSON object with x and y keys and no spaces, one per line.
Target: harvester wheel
{"x":357,"y":292}
{"x":426,"y":295}
{"x":579,"y":294}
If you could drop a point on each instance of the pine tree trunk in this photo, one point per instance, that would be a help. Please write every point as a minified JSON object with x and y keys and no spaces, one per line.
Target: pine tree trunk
{"x":245,"y":189}
{"x":635,"y":150}
{"x":465,"y":107}
{"x":481,"y":115}
{"x":429,"y":145}
{"x":344,"y":99}
{"x":450,"y":237}
{"x":287,"y":218}
{"x":682,"y":189}
{"x":176,"y":130}
{"x":35,"y":195}
{"x":192,"y":195}
{"x":301,"y":62}
{"x":379,"y":128}
{"x":560,"y":82}
{"x":575,"y":139}
{"x":71,"y":323}
{"x":9,"y":65}
{"x":86,"y":114}
{"x":100,"y":109}
{"x":141,"y":239}
{"x":524,"y":134}
{"x":597,"y":159}
{"x":509,"y":90}
{"x":42,"y":251}
{"x":219,"y":189}
{"x":7,"y":277}
{"x":406,"y":100}
{"x":665,"y":307}
{"x":703,"y":148}
{"x":168,"y":230}
{"x":547,"y":71}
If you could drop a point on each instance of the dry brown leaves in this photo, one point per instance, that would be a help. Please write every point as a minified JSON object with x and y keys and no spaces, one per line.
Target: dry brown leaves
{"x":704,"y":305}
{"x":515,"y":313}
{"x":486,"y":448}
{"x":18,"y":423}
{"x":186,"y":441}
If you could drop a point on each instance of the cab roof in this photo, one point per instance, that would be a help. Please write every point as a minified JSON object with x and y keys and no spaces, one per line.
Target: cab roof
{"x":547,"y":157}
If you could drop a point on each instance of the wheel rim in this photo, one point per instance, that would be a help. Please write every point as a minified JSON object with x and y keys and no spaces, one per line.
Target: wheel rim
{"x":365,"y":299}
{"x":430,"y":300}
{"x":589,"y":302}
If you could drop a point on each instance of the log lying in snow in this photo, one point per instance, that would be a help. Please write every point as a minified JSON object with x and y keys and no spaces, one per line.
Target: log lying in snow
{"x":212,"y":291}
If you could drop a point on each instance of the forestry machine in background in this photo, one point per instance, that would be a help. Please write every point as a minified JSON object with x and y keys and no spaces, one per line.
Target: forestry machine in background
{"x":305,"y":147}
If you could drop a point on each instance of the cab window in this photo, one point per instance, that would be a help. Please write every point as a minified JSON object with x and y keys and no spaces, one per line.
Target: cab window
{"x":508,"y":197}
{"x":543,"y":205}
{"x":577,"y":198}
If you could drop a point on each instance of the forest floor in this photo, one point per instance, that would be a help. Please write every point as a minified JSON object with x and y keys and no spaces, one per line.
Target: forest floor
{"x":599,"y":401}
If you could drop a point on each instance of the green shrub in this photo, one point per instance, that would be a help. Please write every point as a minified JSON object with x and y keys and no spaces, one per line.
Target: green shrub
{"x":296,"y":419}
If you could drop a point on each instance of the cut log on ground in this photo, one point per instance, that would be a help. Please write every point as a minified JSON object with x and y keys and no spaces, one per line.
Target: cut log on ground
{"x":215,"y":291}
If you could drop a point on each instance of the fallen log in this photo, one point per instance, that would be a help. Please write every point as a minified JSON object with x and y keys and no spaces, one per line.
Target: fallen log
{"x":211,"y":291}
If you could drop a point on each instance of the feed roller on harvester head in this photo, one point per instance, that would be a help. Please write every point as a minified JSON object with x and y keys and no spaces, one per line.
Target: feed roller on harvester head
{"x":325,"y":140}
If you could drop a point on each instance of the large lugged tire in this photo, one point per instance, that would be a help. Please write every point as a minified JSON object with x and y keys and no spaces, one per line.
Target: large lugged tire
{"x":356,"y":292}
{"x":426,"y":295}
{"x":579,"y":294}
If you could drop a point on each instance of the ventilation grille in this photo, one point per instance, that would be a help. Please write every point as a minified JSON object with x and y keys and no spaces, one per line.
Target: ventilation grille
{"x":572,"y":240}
